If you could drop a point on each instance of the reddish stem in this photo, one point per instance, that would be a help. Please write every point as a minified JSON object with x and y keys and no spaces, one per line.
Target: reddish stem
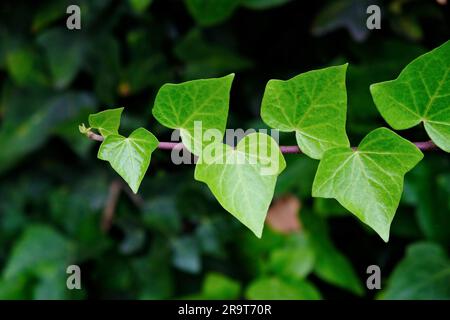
{"x":422,"y":145}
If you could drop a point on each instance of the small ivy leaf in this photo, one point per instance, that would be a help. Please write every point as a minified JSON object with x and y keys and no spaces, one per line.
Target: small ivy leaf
{"x":243,"y":179}
{"x":106,"y":122}
{"x":139,"y":6}
{"x":219,"y":286}
{"x":421,"y":93}
{"x":369,"y":181}
{"x":314,"y":105}
{"x":129,"y":157}
{"x":206,"y":101}
{"x":207,"y":13}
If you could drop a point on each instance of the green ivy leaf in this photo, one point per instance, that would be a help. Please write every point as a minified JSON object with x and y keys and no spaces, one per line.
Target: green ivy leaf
{"x":277,"y":289}
{"x":129,"y":157}
{"x":263,"y":4}
{"x":39,"y":251}
{"x":206,"y":101}
{"x":219,"y":286}
{"x":140,"y":6}
{"x":24,"y":65}
{"x":312,"y":104}
{"x":106,"y":122}
{"x":243,"y":179}
{"x":13,"y":288}
{"x":293,"y":262}
{"x":369,"y":181}
{"x":330,"y":265}
{"x":186,"y":255}
{"x":429,"y":186}
{"x":424,"y":273}
{"x":421,"y":93}
{"x":65,"y":53}
{"x":208,"y":13}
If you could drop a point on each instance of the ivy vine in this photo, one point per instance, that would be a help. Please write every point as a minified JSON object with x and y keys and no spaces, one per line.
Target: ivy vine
{"x":367,"y":179}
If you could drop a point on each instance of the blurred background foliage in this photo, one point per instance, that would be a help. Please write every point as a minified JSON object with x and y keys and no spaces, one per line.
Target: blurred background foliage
{"x":59,"y":205}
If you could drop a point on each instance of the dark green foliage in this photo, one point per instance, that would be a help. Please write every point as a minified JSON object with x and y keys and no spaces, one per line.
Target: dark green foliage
{"x":174,"y":240}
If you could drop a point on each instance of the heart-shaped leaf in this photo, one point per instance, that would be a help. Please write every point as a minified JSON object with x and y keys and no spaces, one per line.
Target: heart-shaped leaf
{"x":243,"y":178}
{"x":421,"y":93}
{"x":129,"y":157}
{"x":106,"y":122}
{"x":369,"y":181}
{"x":314,"y":105}
{"x":205,"y":101}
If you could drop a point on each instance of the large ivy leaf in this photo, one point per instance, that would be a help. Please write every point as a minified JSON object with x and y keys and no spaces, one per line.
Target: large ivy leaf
{"x":65,"y":53}
{"x":312,"y":104}
{"x":106,"y":122}
{"x":429,"y":190}
{"x":243,"y":179}
{"x":39,"y":251}
{"x":205,"y":101}
{"x":129,"y":157}
{"x":421,"y":93}
{"x":207,"y":12}
{"x":369,"y":181}
{"x":424,"y":273}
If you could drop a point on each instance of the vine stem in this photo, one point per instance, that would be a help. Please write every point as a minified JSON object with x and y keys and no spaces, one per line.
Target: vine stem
{"x":422,"y":145}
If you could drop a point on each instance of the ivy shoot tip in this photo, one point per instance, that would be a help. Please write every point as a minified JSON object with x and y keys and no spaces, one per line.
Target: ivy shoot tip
{"x":83,"y":129}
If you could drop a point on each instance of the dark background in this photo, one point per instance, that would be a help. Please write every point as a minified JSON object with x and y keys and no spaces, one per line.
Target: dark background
{"x":174,"y":240}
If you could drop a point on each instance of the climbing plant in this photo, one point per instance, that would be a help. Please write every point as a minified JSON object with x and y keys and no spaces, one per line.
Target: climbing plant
{"x":367,"y":179}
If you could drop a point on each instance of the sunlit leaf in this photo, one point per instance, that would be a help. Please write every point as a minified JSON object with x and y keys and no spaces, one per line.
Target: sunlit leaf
{"x":369,"y":181}
{"x":313,"y":105}
{"x":206,"y":101}
{"x":421,"y":93}
{"x":243,"y":179}
{"x":106,"y":122}
{"x":129,"y":157}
